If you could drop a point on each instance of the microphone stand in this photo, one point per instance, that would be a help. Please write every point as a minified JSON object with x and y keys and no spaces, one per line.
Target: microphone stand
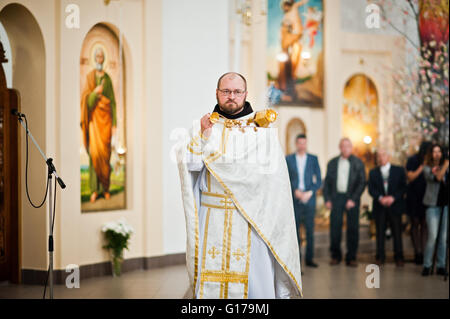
{"x":51,"y":172}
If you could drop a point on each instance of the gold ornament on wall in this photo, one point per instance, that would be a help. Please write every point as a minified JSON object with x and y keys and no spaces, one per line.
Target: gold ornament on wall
{"x":244,"y":8}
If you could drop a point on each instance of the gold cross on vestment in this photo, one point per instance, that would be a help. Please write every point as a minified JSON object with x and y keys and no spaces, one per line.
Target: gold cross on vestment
{"x":228,"y":202}
{"x":238,"y":254}
{"x":213,"y":252}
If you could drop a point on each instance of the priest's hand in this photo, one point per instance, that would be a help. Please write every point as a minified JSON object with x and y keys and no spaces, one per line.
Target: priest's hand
{"x":328,"y":205}
{"x":206,"y":125}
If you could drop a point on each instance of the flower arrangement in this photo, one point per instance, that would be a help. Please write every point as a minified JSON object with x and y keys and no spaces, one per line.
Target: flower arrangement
{"x":117,"y":235}
{"x":420,"y":104}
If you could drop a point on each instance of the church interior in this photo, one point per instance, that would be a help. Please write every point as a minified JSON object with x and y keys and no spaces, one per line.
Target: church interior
{"x":353,"y":71}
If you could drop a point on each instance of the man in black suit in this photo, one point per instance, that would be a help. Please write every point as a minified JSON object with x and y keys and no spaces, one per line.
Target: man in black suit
{"x":344,"y":183}
{"x":304,"y":173}
{"x":387,"y":186}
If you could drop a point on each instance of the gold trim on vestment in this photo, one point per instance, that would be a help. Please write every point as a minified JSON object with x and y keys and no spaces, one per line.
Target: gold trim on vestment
{"x":223,"y":203}
{"x":193,"y":151}
{"x":196,"y":248}
{"x":247,"y":262}
{"x":203,"y":136}
{"x":216,"y":206}
{"x":208,"y":181}
{"x":224,"y":240}
{"x":225,"y":277}
{"x":205,"y":239}
{"x":225,"y":133}
{"x":216,"y":155}
{"x":228,"y":191}
{"x":194,"y":141}
{"x":230,"y":224}
{"x":192,"y":144}
{"x":214,"y":194}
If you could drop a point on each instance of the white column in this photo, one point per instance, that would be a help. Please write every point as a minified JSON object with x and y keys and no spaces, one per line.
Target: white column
{"x":237,"y":37}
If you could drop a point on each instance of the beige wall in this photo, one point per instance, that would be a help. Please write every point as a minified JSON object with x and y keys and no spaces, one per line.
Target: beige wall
{"x":152,"y":66}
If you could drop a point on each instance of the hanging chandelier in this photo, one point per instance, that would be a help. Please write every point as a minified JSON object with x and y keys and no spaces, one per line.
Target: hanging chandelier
{"x":244,"y":9}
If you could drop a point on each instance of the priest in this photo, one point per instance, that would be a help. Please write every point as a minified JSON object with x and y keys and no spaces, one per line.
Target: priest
{"x":241,"y":237}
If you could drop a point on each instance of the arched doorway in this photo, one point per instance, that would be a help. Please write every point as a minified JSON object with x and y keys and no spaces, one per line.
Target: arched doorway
{"x":294,"y":127}
{"x":360,"y":117}
{"x":27,"y":52}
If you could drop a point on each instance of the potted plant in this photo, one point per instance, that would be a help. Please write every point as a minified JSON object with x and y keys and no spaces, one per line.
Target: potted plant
{"x":117,"y":235}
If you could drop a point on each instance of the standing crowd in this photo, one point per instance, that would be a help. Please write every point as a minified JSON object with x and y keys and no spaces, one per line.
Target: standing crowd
{"x":420,"y":189}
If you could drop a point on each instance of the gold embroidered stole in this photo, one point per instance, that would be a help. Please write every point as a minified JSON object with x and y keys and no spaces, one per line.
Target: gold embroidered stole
{"x":226,"y":246}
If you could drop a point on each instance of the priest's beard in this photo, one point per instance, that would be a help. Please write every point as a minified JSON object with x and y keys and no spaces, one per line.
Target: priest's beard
{"x":231,"y":107}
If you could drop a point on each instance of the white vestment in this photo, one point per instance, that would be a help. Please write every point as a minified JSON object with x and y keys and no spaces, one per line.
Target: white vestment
{"x":241,"y":237}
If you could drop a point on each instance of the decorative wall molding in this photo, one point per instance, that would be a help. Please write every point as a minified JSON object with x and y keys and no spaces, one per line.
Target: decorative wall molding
{"x":37,"y":277}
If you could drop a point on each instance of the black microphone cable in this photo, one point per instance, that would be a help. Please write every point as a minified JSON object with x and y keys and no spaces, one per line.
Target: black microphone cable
{"x":26,"y":170}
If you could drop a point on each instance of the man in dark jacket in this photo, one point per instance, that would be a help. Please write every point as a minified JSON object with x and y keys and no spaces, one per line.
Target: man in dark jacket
{"x":304,"y":173}
{"x":387,"y":186}
{"x":344,"y":183}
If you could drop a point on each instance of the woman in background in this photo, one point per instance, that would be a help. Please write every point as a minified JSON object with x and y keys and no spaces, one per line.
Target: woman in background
{"x":436,"y":199}
{"x":414,"y":200}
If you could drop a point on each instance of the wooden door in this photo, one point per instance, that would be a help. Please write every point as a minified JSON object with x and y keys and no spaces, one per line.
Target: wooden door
{"x":9,"y":199}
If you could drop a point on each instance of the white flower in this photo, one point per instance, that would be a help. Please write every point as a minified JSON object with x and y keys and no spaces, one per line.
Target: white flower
{"x":108,"y":226}
{"x":120,"y":227}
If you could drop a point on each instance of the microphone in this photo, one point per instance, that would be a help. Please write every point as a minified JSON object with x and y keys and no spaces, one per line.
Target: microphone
{"x":17,"y":113}
{"x":60,"y":182}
